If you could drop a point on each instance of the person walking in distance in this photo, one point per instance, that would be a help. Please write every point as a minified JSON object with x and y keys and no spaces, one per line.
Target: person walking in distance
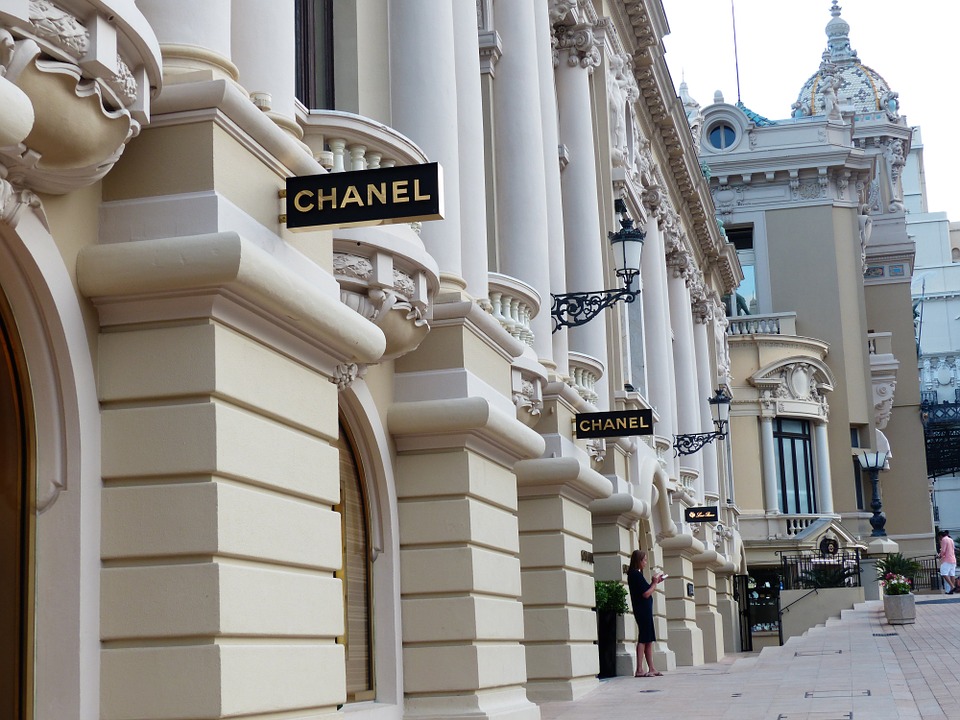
{"x":641,"y":597}
{"x":948,"y":561}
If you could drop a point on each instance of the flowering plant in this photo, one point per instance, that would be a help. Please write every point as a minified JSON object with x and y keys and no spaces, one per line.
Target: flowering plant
{"x":896,"y":584}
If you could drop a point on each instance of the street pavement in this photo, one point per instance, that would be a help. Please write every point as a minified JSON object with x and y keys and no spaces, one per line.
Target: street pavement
{"x":855,"y":667}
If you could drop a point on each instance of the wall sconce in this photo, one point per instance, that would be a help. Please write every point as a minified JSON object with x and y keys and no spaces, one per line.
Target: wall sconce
{"x":578,"y":308}
{"x":873,"y":463}
{"x":692,"y":442}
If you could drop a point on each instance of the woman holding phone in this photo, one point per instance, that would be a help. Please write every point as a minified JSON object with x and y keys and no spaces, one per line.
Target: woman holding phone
{"x":641,"y":597}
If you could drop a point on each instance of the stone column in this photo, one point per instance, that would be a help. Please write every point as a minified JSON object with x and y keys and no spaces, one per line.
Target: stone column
{"x":824,"y":482}
{"x":551,"y":172}
{"x":659,"y":354}
{"x":686,"y":381}
{"x":522,"y":242}
{"x":425,"y":108}
{"x":263,"y":47}
{"x":705,"y":381}
{"x":768,"y":449}
{"x":473,"y":187}
{"x":193,"y":36}
{"x":584,"y":244}
{"x":463,"y":623}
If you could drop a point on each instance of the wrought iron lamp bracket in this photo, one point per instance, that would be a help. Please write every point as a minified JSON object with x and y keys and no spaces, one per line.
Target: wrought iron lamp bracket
{"x":578,"y":308}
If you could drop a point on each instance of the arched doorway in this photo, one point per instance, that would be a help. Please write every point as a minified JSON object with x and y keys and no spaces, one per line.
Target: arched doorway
{"x":355,"y":573}
{"x":14,"y":526}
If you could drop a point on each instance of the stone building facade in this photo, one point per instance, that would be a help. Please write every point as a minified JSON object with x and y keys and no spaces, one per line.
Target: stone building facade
{"x":251,"y":472}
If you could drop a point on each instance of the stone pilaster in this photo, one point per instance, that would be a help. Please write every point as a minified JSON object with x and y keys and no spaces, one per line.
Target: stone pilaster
{"x":556,"y":538}
{"x":706,"y":583}
{"x":729,"y":610}
{"x":615,"y":538}
{"x":463,"y":622}
{"x":219,"y":543}
{"x":683,"y":634}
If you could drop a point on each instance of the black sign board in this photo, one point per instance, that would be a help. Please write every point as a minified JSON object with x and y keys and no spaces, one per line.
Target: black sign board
{"x":707,"y":513}
{"x":365,"y":197}
{"x":614,"y":424}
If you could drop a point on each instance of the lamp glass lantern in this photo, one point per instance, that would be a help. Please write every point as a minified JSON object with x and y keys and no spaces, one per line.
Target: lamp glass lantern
{"x":873,"y":462}
{"x":720,"y":409}
{"x":627,"y":244}
{"x":577,"y":308}
{"x":876,"y":460}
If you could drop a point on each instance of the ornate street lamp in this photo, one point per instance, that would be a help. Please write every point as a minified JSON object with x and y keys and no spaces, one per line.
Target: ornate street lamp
{"x":873,"y":463}
{"x":692,"y":442}
{"x":578,"y":308}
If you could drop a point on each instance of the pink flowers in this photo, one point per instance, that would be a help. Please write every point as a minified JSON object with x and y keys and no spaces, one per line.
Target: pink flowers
{"x":895,"y":584}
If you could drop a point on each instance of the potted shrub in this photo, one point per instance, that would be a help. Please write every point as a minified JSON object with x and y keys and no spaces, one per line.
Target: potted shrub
{"x":611,"y":599}
{"x":897,"y":564}
{"x":898,"y":599}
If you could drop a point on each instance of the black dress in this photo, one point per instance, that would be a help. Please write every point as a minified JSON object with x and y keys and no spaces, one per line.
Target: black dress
{"x":642,"y":606}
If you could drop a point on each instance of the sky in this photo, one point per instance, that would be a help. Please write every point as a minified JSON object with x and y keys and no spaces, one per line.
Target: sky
{"x":912,"y":45}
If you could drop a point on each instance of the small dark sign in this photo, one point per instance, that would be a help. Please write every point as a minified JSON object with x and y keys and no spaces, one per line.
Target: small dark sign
{"x":707,"y":513}
{"x":614,"y":424}
{"x":365,"y":197}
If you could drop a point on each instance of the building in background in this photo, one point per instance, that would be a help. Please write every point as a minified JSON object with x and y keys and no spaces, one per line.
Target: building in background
{"x":252,"y":472}
{"x":822,"y":346}
{"x":936,"y":309}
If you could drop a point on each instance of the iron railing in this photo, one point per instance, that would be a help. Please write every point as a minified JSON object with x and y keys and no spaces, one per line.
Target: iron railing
{"x":821,"y":570}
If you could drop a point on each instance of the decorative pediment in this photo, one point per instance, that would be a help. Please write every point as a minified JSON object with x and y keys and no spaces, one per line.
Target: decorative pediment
{"x":794,"y":386}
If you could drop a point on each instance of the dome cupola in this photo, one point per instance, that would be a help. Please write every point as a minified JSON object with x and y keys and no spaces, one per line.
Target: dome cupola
{"x":842,"y":81}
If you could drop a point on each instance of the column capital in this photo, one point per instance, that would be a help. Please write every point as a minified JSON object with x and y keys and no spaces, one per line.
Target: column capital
{"x":580,"y":42}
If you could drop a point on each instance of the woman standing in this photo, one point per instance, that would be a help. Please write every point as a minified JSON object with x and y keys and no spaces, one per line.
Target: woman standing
{"x":641,"y":597}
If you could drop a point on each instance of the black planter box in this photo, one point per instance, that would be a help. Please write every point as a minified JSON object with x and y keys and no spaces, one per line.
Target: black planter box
{"x":607,"y":642}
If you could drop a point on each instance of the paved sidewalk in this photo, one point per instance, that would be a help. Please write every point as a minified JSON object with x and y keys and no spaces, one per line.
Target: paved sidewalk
{"x":853,"y":668}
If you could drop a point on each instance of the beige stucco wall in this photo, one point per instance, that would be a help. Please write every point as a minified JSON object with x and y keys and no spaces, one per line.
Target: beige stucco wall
{"x":830,"y":308}
{"x":905,"y":485}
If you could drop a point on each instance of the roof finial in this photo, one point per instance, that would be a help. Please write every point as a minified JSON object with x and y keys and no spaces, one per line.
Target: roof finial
{"x":838,"y":36}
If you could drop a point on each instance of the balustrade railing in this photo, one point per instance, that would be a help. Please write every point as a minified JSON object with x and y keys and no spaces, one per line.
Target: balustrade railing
{"x":773,"y":324}
{"x":514,"y":304}
{"x":585,"y":371}
{"x":342,"y":141}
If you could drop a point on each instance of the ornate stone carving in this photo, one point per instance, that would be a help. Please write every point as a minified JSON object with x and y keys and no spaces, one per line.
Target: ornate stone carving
{"x":59,"y":27}
{"x":720,"y":344}
{"x":527,"y":398}
{"x":597,"y":450}
{"x":883,"y":394}
{"x":622,"y":92}
{"x":354,"y":266}
{"x":581,"y":46}
{"x":346,"y":373}
{"x":866,"y":229}
{"x":894,"y":156}
{"x":13,"y":201}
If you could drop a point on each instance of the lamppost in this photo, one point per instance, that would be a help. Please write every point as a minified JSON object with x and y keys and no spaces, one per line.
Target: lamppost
{"x":578,"y":308}
{"x":873,"y":463}
{"x":692,"y":442}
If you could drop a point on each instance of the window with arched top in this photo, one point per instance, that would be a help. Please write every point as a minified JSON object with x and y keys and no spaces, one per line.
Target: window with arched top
{"x":355,"y":573}
{"x":14,"y":624}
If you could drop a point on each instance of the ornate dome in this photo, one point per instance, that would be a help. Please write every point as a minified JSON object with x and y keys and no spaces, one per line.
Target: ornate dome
{"x":852,"y":83}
